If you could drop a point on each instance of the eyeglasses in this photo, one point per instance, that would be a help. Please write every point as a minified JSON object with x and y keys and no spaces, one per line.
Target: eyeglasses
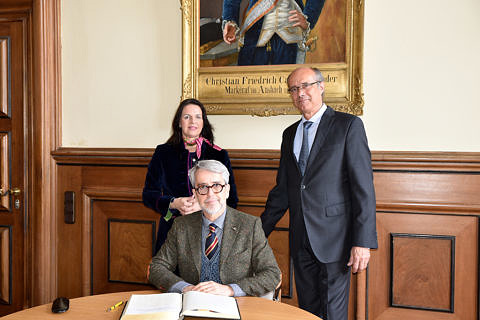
{"x":216,"y":188}
{"x":304,"y":86}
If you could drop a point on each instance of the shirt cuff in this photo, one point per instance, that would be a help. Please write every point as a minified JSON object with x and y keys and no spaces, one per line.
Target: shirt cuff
{"x":237,"y":291}
{"x":233,"y":23}
{"x":179,"y":286}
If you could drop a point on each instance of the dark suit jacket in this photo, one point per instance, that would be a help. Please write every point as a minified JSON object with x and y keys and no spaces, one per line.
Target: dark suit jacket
{"x":246,"y":259}
{"x":335,"y":199}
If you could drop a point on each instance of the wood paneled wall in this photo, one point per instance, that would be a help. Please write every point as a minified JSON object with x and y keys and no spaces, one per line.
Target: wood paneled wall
{"x":427,"y":223}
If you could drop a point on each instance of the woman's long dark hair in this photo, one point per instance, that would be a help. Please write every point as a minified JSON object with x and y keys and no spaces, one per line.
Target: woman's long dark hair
{"x":207,"y":130}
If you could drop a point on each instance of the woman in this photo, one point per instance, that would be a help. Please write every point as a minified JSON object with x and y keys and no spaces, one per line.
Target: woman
{"x":167,"y":188}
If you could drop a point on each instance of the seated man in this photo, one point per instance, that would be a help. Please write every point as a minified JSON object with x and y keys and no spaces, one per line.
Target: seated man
{"x":217,"y":250}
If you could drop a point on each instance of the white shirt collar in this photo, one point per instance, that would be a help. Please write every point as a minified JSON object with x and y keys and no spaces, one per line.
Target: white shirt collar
{"x":317,"y":116}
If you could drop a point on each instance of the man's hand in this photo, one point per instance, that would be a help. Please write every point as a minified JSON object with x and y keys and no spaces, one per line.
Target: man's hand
{"x":229,"y":35}
{"x":359,"y":258}
{"x":298,"y":19}
{"x":211,"y":287}
{"x":187,"y":288}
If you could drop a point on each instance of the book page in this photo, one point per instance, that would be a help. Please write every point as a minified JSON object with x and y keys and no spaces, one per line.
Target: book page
{"x":164,"y":305}
{"x":209,"y":305}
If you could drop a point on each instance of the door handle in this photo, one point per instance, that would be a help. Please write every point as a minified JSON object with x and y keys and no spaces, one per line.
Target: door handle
{"x":13,"y":192}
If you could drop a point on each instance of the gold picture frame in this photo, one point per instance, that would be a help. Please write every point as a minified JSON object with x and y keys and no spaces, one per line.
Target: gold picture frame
{"x":262,"y":90}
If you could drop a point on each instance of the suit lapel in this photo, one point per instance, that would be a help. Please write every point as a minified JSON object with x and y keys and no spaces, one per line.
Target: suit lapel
{"x":230,"y":232}
{"x":290,"y":140}
{"x":194,"y":236}
{"x":322,"y":131}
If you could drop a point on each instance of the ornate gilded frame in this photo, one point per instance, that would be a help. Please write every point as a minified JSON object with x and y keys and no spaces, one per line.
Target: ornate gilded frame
{"x":209,"y":84}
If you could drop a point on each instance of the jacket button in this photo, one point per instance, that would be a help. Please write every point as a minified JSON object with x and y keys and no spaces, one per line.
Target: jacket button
{"x":302,"y":186}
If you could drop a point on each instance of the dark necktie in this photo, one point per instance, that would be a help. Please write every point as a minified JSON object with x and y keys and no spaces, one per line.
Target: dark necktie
{"x":304,"y":151}
{"x":211,"y":242}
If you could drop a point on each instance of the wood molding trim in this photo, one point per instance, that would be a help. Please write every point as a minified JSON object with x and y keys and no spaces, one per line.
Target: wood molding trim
{"x":381,"y":160}
{"x":44,"y":138}
{"x":413,"y":207}
{"x":453,"y":163}
{"x":429,"y":161}
{"x":103,"y":156}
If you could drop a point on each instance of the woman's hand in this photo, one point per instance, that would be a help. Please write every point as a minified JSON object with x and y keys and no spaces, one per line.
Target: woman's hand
{"x":185,"y":205}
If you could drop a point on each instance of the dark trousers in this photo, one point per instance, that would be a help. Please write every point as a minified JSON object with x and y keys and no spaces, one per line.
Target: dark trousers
{"x":322,"y":288}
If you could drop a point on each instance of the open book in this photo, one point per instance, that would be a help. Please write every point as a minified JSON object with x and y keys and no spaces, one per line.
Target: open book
{"x":173,"y":306}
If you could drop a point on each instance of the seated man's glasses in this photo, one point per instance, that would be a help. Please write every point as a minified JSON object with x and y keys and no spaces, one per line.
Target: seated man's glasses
{"x":216,"y":188}
{"x":304,"y":86}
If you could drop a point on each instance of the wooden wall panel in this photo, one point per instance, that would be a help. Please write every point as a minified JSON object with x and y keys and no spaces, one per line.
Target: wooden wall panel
{"x":69,"y":258}
{"x":251,"y":183}
{"x":15,"y":5}
{"x":277,"y":241}
{"x":5,"y":262}
{"x":4,"y":72}
{"x":129,"y":241}
{"x":123,"y":238}
{"x":423,"y":271}
{"x":5,"y":158}
{"x":427,"y":206}
{"x":101,"y":193}
{"x":421,"y":281}
{"x":431,"y":191}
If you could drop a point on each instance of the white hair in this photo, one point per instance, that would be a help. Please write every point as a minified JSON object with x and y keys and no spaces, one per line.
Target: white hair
{"x":209,"y":165}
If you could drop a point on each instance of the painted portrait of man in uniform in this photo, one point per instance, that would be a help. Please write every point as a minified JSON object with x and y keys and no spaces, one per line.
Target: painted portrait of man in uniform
{"x":272,"y":32}
{"x":237,"y":54}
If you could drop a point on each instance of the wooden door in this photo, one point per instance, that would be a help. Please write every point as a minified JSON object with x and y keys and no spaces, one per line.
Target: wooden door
{"x":12,"y":163}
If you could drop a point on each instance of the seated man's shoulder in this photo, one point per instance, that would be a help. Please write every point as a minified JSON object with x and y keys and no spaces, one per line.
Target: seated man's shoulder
{"x":244,"y":217}
{"x":189,"y":218}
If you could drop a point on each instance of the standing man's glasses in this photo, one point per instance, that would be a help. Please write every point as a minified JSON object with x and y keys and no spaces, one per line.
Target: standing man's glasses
{"x":305,"y":85}
{"x":216,"y":188}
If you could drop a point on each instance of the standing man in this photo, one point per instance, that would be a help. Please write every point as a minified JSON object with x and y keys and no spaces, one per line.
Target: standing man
{"x":217,"y":250}
{"x":272,"y":32}
{"x":325,"y":180}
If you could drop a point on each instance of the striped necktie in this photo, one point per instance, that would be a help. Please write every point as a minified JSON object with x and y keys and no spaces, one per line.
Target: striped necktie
{"x":304,"y":151}
{"x":211,"y":242}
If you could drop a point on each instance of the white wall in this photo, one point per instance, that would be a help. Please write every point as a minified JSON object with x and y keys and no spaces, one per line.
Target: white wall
{"x":422,"y":75}
{"x":122,"y":73}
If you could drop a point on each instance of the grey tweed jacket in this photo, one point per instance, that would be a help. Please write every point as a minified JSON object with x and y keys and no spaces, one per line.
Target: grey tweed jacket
{"x":246,"y":258}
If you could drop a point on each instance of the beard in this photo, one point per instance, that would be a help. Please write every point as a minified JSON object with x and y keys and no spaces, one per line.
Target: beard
{"x":211,"y":209}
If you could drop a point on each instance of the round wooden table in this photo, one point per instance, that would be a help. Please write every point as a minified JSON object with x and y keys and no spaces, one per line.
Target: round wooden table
{"x":93,"y":307}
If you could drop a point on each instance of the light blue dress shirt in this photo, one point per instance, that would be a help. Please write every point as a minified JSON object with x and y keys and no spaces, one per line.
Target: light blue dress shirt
{"x":297,"y":142}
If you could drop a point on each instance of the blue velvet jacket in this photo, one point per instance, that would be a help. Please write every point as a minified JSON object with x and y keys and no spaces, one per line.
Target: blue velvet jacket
{"x":167,"y":178}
